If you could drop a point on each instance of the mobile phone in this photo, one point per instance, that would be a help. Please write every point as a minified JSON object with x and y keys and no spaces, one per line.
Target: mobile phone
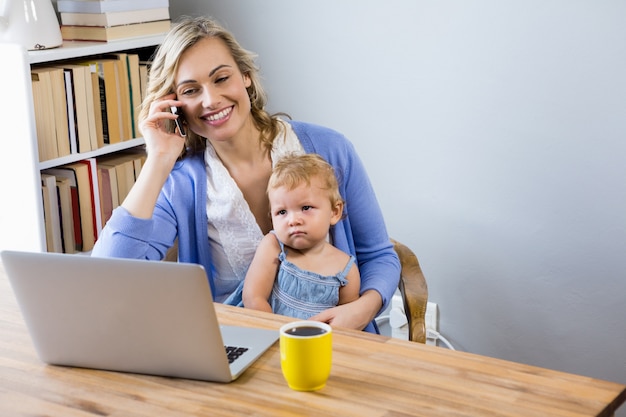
{"x":179,"y":121}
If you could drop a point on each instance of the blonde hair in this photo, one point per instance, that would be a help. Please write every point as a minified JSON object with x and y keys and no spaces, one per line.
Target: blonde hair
{"x":294,"y":170}
{"x":183,"y":35}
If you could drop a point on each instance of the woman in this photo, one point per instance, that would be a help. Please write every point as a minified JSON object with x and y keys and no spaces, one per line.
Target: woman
{"x":207,"y":190}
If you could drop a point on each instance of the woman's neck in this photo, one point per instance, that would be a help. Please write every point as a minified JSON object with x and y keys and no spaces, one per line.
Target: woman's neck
{"x":249,"y":163}
{"x":244,"y":149}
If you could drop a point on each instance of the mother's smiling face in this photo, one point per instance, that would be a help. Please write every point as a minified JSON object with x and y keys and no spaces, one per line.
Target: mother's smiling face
{"x":216,"y":104}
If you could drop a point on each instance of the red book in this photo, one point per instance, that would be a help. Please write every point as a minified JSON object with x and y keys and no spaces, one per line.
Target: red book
{"x":78,"y":236}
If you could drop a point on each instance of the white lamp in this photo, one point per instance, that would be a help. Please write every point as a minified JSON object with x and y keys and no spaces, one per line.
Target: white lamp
{"x":31,"y":23}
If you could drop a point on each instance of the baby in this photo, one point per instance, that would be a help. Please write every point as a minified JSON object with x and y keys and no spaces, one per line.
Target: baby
{"x":296,"y":272}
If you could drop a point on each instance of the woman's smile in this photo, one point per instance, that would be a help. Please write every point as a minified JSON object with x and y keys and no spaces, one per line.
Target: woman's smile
{"x":218,"y":118}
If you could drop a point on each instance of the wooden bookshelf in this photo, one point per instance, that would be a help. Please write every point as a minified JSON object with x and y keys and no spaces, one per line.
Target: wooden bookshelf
{"x":21,"y":212}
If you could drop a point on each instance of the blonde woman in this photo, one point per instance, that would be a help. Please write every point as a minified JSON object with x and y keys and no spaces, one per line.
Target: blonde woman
{"x":207,"y":190}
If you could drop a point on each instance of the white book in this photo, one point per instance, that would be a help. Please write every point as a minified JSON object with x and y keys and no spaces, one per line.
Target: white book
{"x":115,"y":18}
{"x":51,"y":209}
{"x":71,"y":116}
{"x":105,"y":6}
{"x":66,"y":214}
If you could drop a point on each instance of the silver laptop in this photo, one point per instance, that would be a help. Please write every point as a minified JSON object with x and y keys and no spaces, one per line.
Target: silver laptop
{"x":126,"y":315}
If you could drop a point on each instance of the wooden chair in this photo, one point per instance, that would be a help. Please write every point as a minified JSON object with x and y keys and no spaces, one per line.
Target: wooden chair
{"x":414,"y":292}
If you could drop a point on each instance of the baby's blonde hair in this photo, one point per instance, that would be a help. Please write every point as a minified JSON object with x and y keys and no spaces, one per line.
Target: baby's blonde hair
{"x":294,"y":170}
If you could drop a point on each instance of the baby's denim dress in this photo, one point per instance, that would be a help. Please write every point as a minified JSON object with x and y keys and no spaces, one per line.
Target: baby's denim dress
{"x":302,"y":294}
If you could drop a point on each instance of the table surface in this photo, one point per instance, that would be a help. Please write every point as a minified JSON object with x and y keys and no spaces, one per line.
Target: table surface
{"x":371,"y":376}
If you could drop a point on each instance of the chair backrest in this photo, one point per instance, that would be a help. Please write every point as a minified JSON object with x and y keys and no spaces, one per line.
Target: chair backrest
{"x":414,"y":292}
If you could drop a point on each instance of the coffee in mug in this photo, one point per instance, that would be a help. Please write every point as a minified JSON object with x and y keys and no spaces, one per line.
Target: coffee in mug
{"x":306,"y":354}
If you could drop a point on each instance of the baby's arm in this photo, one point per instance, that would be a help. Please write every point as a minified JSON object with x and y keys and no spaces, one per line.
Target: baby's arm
{"x":350,"y":291}
{"x":261,"y":274}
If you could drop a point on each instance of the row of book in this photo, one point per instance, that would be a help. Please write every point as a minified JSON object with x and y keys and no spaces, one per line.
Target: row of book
{"x":82,"y":106}
{"x":107,"y":20}
{"x":79,"y":198}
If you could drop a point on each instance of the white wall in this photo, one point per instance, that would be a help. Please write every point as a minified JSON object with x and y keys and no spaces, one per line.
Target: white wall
{"x":495,"y":135}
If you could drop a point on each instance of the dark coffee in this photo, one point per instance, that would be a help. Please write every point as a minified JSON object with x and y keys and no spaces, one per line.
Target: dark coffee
{"x":305,"y":331}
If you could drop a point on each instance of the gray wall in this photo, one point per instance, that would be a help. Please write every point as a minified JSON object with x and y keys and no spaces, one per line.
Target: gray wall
{"x":495,"y":135}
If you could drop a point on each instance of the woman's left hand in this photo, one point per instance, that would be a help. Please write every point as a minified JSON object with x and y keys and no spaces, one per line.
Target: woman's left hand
{"x":355,"y":315}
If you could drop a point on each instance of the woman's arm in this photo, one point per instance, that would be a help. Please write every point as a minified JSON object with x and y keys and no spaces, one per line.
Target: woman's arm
{"x":163,"y":148}
{"x":140,"y":228}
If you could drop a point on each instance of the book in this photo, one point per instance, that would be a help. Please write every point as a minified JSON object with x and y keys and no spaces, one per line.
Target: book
{"x":115,"y":18}
{"x":123,"y":93}
{"x":144,"y":67}
{"x":134,"y":78}
{"x":97,"y":107}
{"x":59,"y":97}
{"x":79,"y":174}
{"x":85,"y":200}
{"x":66,"y":213}
{"x":71,"y":114}
{"x":110,"y":100}
{"x":79,"y":77}
{"x":70,"y":178}
{"x":137,"y":155}
{"x":107,"y":184}
{"x":91,"y":164}
{"x":127,"y":165}
{"x":44,"y":116}
{"x":124,"y":173}
{"x":130,"y":90}
{"x":107,"y":6}
{"x":47,"y":218}
{"x":59,"y":103}
{"x":52,"y":219}
{"x":55,"y":85}
{"x":111,"y":33}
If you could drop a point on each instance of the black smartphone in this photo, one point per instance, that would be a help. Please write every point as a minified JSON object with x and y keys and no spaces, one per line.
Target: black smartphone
{"x":179,"y":120}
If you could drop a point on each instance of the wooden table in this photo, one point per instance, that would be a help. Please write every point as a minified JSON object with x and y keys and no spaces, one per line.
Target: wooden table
{"x":371,"y":376}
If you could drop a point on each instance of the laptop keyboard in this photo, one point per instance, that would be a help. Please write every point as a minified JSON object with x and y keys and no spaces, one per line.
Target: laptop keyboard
{"x":234,"y":352}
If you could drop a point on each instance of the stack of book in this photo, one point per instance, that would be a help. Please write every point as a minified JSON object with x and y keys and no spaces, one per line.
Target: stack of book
{"x":79,"y":198}
{"x":108,"y":20}
{"x":83,"y":105}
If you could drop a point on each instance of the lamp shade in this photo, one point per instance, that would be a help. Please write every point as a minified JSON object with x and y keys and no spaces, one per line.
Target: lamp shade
{"x":31,"y":23}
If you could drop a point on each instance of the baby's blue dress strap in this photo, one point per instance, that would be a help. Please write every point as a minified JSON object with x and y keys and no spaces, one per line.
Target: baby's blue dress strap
{"x":282,"y":255}
{"x":342,"y":275}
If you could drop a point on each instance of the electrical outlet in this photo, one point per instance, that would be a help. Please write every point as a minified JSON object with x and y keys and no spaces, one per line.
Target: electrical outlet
{"x":398,"y":322}
{"x":432,"y":322}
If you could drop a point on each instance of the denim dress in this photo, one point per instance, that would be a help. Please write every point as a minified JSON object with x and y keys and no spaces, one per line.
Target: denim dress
{"x":302,"y":294}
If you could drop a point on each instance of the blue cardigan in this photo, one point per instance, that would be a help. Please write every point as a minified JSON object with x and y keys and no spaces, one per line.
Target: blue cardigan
{"x":181,"y":212}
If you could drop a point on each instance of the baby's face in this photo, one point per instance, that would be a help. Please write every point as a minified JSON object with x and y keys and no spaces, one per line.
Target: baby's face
{"x":302,"y":216}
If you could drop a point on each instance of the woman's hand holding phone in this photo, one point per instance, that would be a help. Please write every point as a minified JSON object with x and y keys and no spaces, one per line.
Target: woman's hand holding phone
{"x":179,"y":121}
{"x":163,"y":148}
{"x":161,"y":142}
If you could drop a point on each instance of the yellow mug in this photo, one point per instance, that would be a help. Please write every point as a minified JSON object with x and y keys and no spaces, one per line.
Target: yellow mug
{"x":306,"y":354}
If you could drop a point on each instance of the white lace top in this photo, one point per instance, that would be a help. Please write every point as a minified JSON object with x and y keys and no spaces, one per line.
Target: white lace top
{"x":233,"y":231}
